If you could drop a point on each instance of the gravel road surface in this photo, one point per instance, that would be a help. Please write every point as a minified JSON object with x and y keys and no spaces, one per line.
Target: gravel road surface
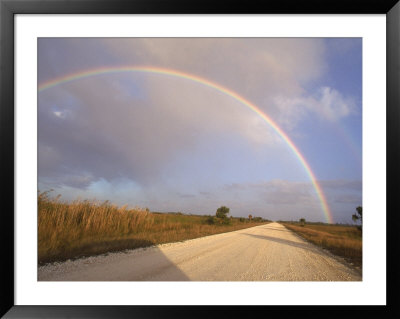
{"x":268,"y":252}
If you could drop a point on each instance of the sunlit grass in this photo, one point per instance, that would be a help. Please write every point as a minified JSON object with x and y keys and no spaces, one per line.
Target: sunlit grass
{"x":83,"y":228}
{"x":344,"y":241}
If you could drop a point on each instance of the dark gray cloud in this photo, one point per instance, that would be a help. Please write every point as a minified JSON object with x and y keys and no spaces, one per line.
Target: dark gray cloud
{"x":190,"y":196}
{"x":342,"y":184}
{"x":258,"y":69}
{"x":137,"y":126}
{"x":156,"y":140}
{"x":87,"y":128}
{"x":277,"y":192}
{"x":349,"y":199}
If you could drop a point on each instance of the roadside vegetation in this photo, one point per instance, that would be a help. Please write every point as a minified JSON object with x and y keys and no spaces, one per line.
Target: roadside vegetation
{"x":341,"y":240}
{"x":68,"y":230}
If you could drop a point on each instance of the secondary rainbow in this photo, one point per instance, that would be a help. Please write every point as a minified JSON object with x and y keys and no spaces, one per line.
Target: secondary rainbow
{"x":194,"y":78}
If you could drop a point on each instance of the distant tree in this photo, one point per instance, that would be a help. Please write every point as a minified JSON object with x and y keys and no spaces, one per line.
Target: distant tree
{"x":302,"y":221}
{"x":222,"y":212}
{"x":250,"y":216}
{"x":358,"y":216}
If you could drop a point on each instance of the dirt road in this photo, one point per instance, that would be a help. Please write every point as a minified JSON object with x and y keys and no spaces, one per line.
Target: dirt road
{"x":263,"y":253}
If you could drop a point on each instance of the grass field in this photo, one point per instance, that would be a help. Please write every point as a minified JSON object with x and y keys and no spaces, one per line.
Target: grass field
{"x":69,"y":230}
{"x":344,"y":241}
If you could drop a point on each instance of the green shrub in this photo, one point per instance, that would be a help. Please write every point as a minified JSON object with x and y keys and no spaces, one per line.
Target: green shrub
{"x":210,"y":220}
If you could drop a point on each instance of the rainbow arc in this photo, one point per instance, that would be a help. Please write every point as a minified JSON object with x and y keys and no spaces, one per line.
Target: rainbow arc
{"x":168,"y":72}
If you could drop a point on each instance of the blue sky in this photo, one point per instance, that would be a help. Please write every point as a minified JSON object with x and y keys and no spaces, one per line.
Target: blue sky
{"x":171,"y":144}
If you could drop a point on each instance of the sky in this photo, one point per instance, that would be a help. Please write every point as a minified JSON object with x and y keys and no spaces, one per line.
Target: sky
{"x":173,"y":144}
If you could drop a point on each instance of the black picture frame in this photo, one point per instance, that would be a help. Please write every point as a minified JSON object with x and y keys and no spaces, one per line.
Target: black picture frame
{"x":8,"y":10}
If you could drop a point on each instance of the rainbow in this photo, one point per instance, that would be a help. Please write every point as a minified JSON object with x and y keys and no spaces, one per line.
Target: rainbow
{"x":155,"y":70}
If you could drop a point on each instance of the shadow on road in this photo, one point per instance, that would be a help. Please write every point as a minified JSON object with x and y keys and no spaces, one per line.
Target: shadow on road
{"x":142,"y":264}
{"x":270,"y":227}
{"x":287,"y":242}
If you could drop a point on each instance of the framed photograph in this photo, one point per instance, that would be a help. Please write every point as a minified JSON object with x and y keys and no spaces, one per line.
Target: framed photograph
{"x":229,"y":151}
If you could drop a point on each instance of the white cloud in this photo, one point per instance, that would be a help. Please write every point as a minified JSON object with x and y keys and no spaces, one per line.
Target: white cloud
{"x":328,"y":104}
{"x":59,"y":114}
{"x":332,"y":105}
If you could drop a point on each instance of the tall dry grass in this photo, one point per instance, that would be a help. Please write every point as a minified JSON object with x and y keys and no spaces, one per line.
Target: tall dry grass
{"x":344,"y":241}
{"x":83,"y":228}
